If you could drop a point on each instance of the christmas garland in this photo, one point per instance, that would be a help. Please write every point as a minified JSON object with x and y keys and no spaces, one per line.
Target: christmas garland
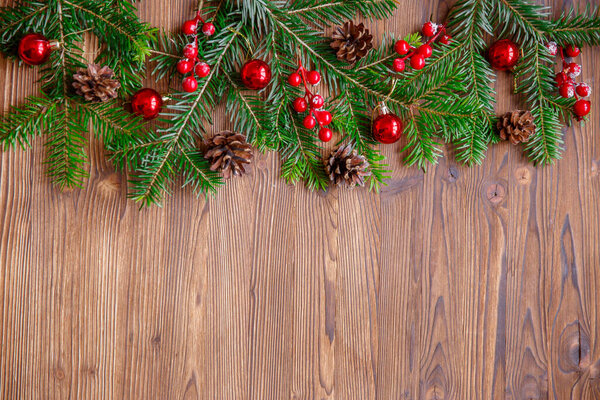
{"x":264,"y":62}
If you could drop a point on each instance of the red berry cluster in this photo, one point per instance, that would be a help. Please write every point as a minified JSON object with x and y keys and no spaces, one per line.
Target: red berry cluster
{"x":311,"y":102}
{"x":419,"y":55}
{"x":565,"y":79}
{"x":191,"y":64}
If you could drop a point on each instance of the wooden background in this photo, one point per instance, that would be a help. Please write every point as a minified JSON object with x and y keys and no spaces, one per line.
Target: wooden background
{"x":460,"y":283}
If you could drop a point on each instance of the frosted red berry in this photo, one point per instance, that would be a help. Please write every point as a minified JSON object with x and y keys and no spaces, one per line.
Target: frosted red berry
{"x":190,"y":51}
{"x":583,"y":90}
{"x":202,"y":69}
{"x":190,"y":84}
{"x":208,"y":29}
{"x":429,"y":29}
{"x":190,"y":27}
{"x":399,"y":65}
{"x":402,"y":47}
{"x":567,"y":90}
{"x":552,"y":48}
{"x":574,"y":70}
{"x":317,"y":101}
{"x":445,"y":39}
{"x":560,"y":78}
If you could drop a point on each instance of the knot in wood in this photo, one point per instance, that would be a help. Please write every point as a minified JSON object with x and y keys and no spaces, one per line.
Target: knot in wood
{"x":523,"y":175}
{"x":496,"y":193}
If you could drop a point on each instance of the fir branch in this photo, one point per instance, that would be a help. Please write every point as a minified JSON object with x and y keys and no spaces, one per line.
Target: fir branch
{"x":577,"y":28}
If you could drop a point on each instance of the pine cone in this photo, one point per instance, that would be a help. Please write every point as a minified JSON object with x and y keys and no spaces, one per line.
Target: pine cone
{"x":352,"y":42}
{"x":516,"y":126}
{"x":96,"y":84}
{"x":345,"y":165}
{"x":228,"y":152}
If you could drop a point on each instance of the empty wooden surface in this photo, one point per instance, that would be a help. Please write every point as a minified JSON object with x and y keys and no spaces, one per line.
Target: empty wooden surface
{"x":478,"y":283}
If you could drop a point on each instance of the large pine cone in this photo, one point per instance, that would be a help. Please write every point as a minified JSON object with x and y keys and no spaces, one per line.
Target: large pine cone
{"x":228,"y":152}
{"x":352,"y":42}
{"x":345,"y":165}
{"x":517,"y":126}
{"x":96,"y":84}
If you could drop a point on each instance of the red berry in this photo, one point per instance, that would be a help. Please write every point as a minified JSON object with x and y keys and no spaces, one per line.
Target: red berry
{"x":317,"y":101}
{"x":560,"y":78}
{"x":190,"y":84}
{"x":417,"y":61}
{"x":313,"y":77}
{"x":324,"y":118}
{"x":425,"y":50}
{"x":572,"y":51}
{"x":295,"y":79}
{"x":300,"y":104}
{"x":582,"y":108}
{"x":399,"y":65}
{"x":445,"y":39}
{"x":402,"y":47}
{"x":567,"y":90}
{"x":574,"y":70}
{"x":190,"y":27}
{"x":309,"y":122}
{"x":190,"y":51}
{"x":429,"y":29}
{"x":325,"y":134}
{"x":583,"y":90}
{"x":184,"y":66}
{"x":208,"y":29}
{"x":202,"y":69}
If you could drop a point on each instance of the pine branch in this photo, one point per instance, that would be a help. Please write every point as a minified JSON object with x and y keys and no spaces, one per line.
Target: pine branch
{"x":578,"y":28}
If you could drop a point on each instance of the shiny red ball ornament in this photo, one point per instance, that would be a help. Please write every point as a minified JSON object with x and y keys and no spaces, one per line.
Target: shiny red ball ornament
{"x":309,"y":122}
{"x":256,"y":74}
{"x":34,"y":49}
{"x":208,"y":29}
{"x":583,"y":90}
{"x":402,"y":47}
{"x":567,"y":90}
{"x":324,"y":117}
{"x":572,"y":51}
{"x":425,"y":50}
{"x":190,"y":27}
{"x":417,"y":61}
{"x":387,"y":127}
{"x":184,"y":66}
{"x":317,"y":101}
{"x":295,"y":79}
{"x":429,"y":29}
{"x":147,"y":103}
{"x":445,"y":39}
{"x":325,"y":134}
{"x":300,"y":105}
{"x":582,"y":108}
{"x":190,"y":51}
{"x":503,"y":55}
{"x":399,"y":65}
{"x":313,"y":77}
{"x":202,"y":69}
{"x":190,"y":84}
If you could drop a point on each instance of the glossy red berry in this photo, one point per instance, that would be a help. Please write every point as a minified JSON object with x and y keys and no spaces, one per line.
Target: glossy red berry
{"x":309,"y":122}
{"x":295,"y":79}
{"x":445,"y":39}
{"x":572,"y":51}
{"x":184,"y":66}
{"x":300,"y":105}
{"x":399,"y":65}
{"x":425,"y":50}
{"x":190,"y":84}
{"x":402,"y":47}
{"x":417,"y":61}
{"x":208,"y":29}
{"x":567,"y":90}
{"x":582,"y":108}
{"x":190,"y":51}
{"x":190,"y":27}
{"x":325,"y":134}
{"x":313,"y":77}
{"x":324,"y":117}
{"x":574,"y":70}
{"x":429,"y":29}
{"x":560,"y":79}
{"x":583,"y":90}
{"x":317,"y":101}
{"x":202,"y":69}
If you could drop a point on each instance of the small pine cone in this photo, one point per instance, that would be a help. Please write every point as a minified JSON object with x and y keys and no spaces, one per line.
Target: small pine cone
{"x":96,"y":84}
{"x":517,"y":126}
{"x":228,"y":152}
{"x":351,"y":42}
{"x":345,"y":165}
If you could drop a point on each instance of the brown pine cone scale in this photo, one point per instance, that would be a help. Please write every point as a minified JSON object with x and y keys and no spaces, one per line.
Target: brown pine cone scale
{"x":351,"y":42}
{"x":517,"y":126}
{"x":346,"y":166}
{"x":96,"y":84}
{"x":228,"y":152}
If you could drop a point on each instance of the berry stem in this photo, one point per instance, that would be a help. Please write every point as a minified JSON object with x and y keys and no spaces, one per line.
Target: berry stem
{"x":308,"y":95}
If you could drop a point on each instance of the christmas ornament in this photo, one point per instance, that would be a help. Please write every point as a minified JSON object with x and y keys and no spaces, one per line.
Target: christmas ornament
{"x":346,"y":166}
{"x":567,"y":87}
{"x":227,"y":152}
{"x":503,"y":55}
{"x":147,"y":103}
{"x":517,"y":126}
{"x":96,"y":84}
{"x":35,"y":49}
{"x":351,"y":42}
{"x":312,"y":102}
{"x":191,"y":62}
{"x":417,"y":56}
{"x":256,"y":74}
{"x":387,"y":127}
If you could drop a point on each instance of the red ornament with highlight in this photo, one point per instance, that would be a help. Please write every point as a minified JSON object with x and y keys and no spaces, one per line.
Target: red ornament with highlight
{"x":35,"y":49}
{"x":256,"y":74}
{"x":504,"y":55}
{"x":147,"y":103}
{"x":387,"y":127}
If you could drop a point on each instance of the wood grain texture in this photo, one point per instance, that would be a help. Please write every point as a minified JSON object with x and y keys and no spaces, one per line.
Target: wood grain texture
{"x":478,"y":283}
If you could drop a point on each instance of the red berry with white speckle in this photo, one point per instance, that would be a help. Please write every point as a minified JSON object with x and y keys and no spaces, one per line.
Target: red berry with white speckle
{"x":317,"y":101}
{"x":574,"y":70}
{"x":399,"y":65}
{"x":202,"y":69}
{"x":429,"y":29}
{"x":208,"y":29}
{"x":190,"y":51}
{"x":552,"y":48}
{"x":567,"y":90}
{"x":190,"y":27}
{"x":583,"y":90}
{"x":446,"y":39}
{"x":402,"y":47}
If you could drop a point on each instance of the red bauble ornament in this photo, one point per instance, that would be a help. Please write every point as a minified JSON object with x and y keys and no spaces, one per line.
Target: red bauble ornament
{"x":300,"y":105}
{"x":583,"y":90}
{"x":325,"y":134}
{"x":445,"y":39}
{"x":256,"y":74}
{"x":295,"y":79}
{"x":399,"y":65}
{"x":503,"y":55}
{"x":429,"y":29}
{"x":317,"y":101}
{"x":184,"y":66}
{"x":582,"y":108}
{"x":190,"y":27}
{"x":425,"y":50}
{"x":147,"y":103}
{"x":202,"y":69}
{"x":324,"y":117}
{"x":313,"y":77}
{"x":309,"y":122}
{"x":190,"y":84}
{"x":208,"y":29}
{"x":572,"y":51}
{"x":402,"y":47}
{"x":34,"y":49}
{"x":190,"y":51}
{"x":387,"y":127}
{"x":417,"y":61}
{"x":567,"y":90}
